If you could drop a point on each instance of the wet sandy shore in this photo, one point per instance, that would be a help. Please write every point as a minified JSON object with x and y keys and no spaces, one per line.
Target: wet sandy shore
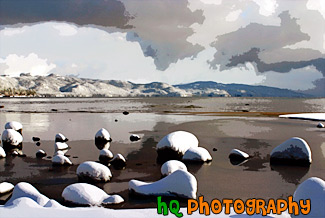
{"x":257,"y":135}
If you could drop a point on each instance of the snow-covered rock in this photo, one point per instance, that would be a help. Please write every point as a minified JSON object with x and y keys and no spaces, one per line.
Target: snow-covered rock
{"x":320,"y":125}
{"x":53,"y":204}
{"x":175,"y":144}
{"x":178,"y":184}
{"x":118,"y":162}
{"x":102,"y":139}
{"x":11,"y":137}
{"x":14,"y":125}
{"x":313,"y":189}
{"x":197,"y":154}
{"x":24,"y":189}
{"x":60,"y":138}
{"x":60,"y":146}
{"x":2,"y":152}
{"x":293,"y":151}
{"x":40,"y":153}
{"x":238,"y":154}
{"x":6,"y":187}
{"x":92,"y":171}
{"x":86,"y":194}
{"x":171,"y":166}
{"x":305,"y":116}
{"x":134,"y":138}
{"x":105,"y":156}
{"x":61,"y":160}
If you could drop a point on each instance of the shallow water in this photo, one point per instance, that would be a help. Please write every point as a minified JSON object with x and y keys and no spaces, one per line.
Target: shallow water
{"x":220,"y":179}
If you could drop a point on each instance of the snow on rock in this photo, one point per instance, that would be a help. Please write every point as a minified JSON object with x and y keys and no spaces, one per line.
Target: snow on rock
{"x":175,"y":144}
{"x":92,"y":171}
{"x":60,"y":146}
{"x":305,"y":116}
{"x":313,"y":189}
{"x":105,"y":156}
{"x":118,"y":162}
{"x":86,"y":194}
{"x":53,"y":204}
{"x":6,"y":187}
{"x":11,"y":137}
{"x":320,"y":125}
{"x":61,"y":160}
{"x":24,"y":189}
{"x":40,"y":153}
{"x":238,"y":154}
{"x":197,"y":154}
{"x":178,"y":184}
{"x":171,"y":166}
{"x":293,"y":151}
{"x":14,"y":125}
{"x":102,"y":139}
{"x":134,"y":138}
{"x":60,"y":138}
{"x":2,"y":153}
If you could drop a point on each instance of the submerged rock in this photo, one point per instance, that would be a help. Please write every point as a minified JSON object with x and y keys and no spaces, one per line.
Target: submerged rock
{"x":197,"y":154}
{"x":60,"y":138}
{"x":24,"y":189}
{"x":93,"y":172}
{"x":118,"y":162}
{"x":171,"y":166}
{"x":90,"y":195}
{"x":313,"y":189}
{"x":134,"y":138}
{"x":6,"y":187}
{"x":174,"y":145}
{"x":294,"y":151}
{"x":102,"y":139}
{"x":41,"y":153}
{"x":178,"y":184}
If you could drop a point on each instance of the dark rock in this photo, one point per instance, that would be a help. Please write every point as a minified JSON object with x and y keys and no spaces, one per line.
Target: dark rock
{"x":38,"y":143}
{"x":125,"y":112}
{"x":134,"y":138}
{"x":36,"y":139}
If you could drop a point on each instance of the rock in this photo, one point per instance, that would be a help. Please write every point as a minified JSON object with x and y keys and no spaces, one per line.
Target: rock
{"x":6,"y":187}
{"x":214,"y":149}
{"x":2,"y":153}
{"x":53,"y":204}
{"x":90,"y":195}
{"x":118,"y":162}
{"x":36,"y":139}
{"x":174,"y":145}
{"x":60,"y":138}
{"x":14,"y":153}
{"x":171,"y":166}
{"x":125,"y":112}
{"x":197,"y":154}
{"x":61,"y":160}
{"x":178,"y":184}
{"x":134,"y":138}
{"x":105,"y":156}
{"x":11,"y":137}
{"x":40,"y":154}
{"x":38,"y":143}
{"x":60,"y":146}
{"x":320,"y":125}
{"x":313,"y":189}
{"x":93,"y":172}
{"x":102,"y":139}
{"x":294,"y":151}
{"x":15,"y":126}
{"x":238,"y":154}
{"x":24,"y":189}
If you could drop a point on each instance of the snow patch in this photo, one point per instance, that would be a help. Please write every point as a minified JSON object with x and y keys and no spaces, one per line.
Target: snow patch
{"x":6,"y":187}
{"x":305,"y":116}
{"x":171,"y":166}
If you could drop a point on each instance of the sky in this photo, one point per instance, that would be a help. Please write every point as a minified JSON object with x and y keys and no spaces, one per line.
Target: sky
{"x":279,"y":43}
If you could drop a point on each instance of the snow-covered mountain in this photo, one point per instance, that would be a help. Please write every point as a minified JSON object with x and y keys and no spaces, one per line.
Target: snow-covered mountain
{"x":69,"y":86}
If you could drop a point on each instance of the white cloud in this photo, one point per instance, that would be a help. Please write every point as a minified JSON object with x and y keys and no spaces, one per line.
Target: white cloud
{"x":212,"y":2}
{"x":20,"y":64}
{"x":65,"y":29}
{"x":233,"y":16}
{"x":12,"y":31}
{"x":318,"y":5}
{"x":267,"y":7}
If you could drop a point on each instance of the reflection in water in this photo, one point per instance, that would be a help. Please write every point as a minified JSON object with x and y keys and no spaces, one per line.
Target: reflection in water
{"x":291,"y":174}
{"x":236,"y":162}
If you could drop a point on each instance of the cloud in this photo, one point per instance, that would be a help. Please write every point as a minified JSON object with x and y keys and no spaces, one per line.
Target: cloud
{"x":12,"y":31}
{"x":267,"y":7}
{"x":65,"y":29}
{"x":14,"y":65}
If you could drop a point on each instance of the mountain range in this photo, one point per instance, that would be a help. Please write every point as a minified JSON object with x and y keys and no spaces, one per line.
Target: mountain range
{"x":70,"y":86}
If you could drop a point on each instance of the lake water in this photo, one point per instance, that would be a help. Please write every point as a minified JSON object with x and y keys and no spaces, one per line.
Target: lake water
{"x":249,"y":124}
